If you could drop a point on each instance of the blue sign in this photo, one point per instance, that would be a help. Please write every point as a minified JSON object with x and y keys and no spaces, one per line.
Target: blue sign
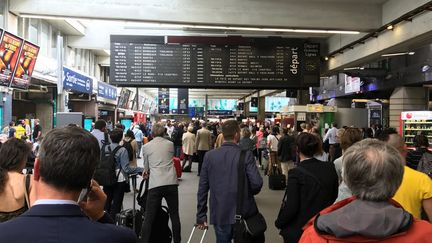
{"x":107,"y":91}
{"x":77,"y":82}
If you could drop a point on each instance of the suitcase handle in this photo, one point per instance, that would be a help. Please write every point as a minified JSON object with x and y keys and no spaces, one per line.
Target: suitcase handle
{"x":193,"y":230}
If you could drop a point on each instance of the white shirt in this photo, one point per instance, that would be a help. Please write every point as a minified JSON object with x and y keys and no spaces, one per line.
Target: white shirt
{"x":331,"y":135}
{"x":54,"y":202}
{"x":273,"y":141}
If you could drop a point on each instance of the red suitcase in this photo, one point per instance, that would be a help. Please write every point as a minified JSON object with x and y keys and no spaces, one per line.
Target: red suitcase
{"x":177,"y":166}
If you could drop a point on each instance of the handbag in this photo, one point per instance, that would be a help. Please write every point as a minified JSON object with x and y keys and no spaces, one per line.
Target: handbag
{"x":142,"y":199}
{"x":250,"y":228}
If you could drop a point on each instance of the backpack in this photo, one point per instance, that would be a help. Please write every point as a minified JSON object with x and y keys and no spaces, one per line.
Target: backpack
{"x":129,"y":149}
{"x":263,"y":142}
{"x":105,"y":173}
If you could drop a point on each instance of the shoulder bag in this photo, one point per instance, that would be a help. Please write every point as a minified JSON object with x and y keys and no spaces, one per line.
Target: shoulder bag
{"x":252,"y":228}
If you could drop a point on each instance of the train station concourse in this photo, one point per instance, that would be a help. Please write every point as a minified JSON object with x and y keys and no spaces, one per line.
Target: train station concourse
{"x":215,"y":121}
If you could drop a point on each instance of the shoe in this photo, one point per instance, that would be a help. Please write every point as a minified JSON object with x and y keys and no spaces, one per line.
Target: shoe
{"x":139,"y":157}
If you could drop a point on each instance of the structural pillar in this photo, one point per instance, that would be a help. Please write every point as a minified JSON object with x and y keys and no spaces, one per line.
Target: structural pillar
{"x":261,"y":109}
{"x":406,"y":99}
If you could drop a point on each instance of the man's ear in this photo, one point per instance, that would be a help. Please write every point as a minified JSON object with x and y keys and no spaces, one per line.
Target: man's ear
{"x":36,"y":170}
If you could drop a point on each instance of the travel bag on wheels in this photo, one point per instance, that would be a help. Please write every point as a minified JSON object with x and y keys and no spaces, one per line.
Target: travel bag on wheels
{"x":276,"y":180}
{"x":131,"y":218}
{"x":192,"y":233}
{"x":177,"y":166}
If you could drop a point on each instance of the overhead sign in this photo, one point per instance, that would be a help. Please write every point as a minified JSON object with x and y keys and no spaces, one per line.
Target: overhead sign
{"x":163,"y":101}
{"x":352,"y":84}
{"x":26,"y":65}
{"x":148,"y":61}
{"x":10,"y":47}
{"x":76,"y":82}
{"x":183,"y":101}
{"x":315,"y":108}
{"x":107,"y":91}
{"x":416,"y":115}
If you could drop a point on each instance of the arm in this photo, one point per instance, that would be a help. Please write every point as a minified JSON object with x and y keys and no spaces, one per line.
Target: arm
{"x":124,"y":163}
{"x":203,"y":188}
{"x":427,"y":206}
{"x":327,"y":135}
{"x":254,"y":178}
{"x":197,"y":138}
{"x":292,"y":204}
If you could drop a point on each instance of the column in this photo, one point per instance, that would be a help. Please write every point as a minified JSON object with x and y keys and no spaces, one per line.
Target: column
{"x":406,"y":99}
{"x":261,"y":109}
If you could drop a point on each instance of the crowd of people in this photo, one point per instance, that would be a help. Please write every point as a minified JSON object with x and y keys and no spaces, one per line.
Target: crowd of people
{"x":341,"y":185}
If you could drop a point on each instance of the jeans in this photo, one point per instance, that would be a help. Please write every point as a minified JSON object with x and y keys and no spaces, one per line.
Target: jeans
{"x":139,"y":149}
{"x":154,"y":201}
{"x":177,"y":151}
{"x":115,"y":196}
{"x":224,"y":233}
{"x":201,"y":154}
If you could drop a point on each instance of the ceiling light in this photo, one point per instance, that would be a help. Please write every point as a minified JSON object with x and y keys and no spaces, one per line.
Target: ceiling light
{"x":353,"y":68}
{"x":390,"y":27}
{"x":326,"y":58}
{"x":398,"y":54}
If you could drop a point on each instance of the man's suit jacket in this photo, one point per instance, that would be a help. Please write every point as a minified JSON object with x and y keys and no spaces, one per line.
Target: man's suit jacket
{"x":203,"y":140}
{"x":61,"y":223}
{"x":219,"y":176}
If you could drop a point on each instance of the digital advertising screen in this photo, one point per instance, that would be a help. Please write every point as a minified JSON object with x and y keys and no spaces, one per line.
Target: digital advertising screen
{"x":275,"y":104}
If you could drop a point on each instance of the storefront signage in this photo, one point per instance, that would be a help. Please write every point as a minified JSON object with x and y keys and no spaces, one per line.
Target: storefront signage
{"x":416,"y":115}
{"x":76,"y":82}
{"x":10,"y":47}
{"x":107,"y":91}
{"x":315,"y":108}
{"x":26,"y":65}
{"x":163,"y":101}
{"x":183,"y":101}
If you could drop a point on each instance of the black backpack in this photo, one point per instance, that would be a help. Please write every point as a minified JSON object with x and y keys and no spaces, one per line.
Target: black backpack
{"x":105,"y":173}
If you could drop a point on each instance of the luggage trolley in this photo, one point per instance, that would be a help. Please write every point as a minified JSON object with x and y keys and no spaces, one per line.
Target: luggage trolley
{"x":193,"y":230}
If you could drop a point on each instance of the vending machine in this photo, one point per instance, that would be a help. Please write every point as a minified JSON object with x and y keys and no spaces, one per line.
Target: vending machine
{"x":414,"y":123}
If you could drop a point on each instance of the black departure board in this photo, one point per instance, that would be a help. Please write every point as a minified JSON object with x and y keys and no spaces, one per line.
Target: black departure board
{"x":148,"y":61}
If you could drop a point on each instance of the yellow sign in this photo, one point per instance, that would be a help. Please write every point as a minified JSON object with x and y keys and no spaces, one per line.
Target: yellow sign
{"x":315,"y":108}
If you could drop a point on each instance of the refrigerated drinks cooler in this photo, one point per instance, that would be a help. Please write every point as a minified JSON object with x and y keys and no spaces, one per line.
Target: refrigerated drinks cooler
{"x":414,"y":123}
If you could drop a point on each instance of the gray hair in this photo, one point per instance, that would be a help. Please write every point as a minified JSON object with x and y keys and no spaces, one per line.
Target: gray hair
{"x":373,"y":170}
{"x":158,"y":130}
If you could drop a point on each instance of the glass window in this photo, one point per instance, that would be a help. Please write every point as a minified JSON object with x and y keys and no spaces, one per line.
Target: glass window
{"x":2,"y":16}
{"x":33,"y":31}
{"x":44,"y":39}
{"x":54,"y":43}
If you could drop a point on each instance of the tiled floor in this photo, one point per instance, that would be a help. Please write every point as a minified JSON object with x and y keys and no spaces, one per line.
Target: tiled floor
{"x":268,"y":202}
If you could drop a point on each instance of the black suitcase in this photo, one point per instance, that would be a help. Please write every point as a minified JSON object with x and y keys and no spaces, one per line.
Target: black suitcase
{"x":276,"y":181}
{"x":131,"y":218}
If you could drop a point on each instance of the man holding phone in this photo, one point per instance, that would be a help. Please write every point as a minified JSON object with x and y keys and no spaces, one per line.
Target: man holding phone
{"x":66,"y":162}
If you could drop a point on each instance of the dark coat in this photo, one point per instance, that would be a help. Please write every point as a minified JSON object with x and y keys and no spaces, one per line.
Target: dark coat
{"x":306,"y":197}
{"x":61,"y":223}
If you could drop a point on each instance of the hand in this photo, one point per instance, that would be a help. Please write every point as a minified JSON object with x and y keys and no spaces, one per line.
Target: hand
{"x":145,"y":175}
{"x":94,"y":206}
{"x":202,"y":226}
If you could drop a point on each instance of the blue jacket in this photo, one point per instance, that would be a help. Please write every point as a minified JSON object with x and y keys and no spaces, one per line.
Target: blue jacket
{"x":61,"y":224}
{"x":219,"y":175}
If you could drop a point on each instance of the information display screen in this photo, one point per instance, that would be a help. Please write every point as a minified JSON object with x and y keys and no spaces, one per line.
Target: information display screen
{"x":258,"y":63}
{"x":275,"y":104}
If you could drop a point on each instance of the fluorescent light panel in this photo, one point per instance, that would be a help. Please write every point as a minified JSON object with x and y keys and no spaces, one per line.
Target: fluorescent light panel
{"x":138,"y":24}
{"x":398,"y":54}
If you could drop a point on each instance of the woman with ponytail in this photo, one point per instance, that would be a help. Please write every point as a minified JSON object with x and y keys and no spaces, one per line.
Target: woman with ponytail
{"x":14,"y":185}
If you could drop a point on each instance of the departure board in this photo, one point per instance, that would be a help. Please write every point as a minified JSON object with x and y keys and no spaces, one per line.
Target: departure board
{"x":148,"y":61}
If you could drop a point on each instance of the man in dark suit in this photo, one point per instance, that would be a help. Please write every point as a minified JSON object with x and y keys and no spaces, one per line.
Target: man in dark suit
{"x":66,"y":162}
{"x":219,"y":175}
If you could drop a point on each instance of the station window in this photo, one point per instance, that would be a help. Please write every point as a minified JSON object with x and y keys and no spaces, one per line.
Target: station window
{"x":33,"y":31}
{"x":44,"y":48}
{"x":53,"y":43}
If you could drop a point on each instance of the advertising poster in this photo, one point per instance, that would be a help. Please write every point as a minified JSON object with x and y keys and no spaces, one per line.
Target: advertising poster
{"x":10,"y":48}
{"x":163,"y":100}
{"x":352,"y":84}
{"x":25,"y":67}
{"x":173,"y":105}
{"x":123,"y":101}
{"x":183,"y":101}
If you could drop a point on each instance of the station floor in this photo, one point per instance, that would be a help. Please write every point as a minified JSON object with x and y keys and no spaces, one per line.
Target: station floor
{"x":268,"y":202}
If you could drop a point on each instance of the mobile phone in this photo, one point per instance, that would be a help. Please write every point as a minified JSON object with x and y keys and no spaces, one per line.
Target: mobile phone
{"x":84,"y":193}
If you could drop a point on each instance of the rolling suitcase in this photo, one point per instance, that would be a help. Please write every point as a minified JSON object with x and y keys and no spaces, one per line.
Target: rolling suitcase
{"x":191,"y":234}
{"x":131,"y":218}
{"x":276,"y":180}
{"x":177,"y":166}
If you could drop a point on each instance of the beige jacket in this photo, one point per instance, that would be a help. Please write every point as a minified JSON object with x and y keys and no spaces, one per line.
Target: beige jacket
{"x":188,"y":141}
{"x":203,"y":140}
